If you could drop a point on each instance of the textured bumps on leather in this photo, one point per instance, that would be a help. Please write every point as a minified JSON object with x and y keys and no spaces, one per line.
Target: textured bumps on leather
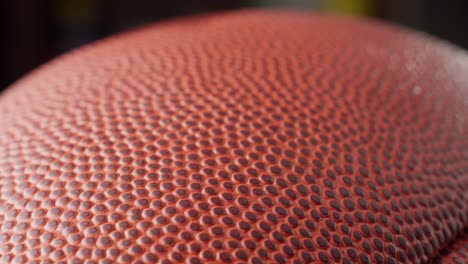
{"x":253,"y":136}
{"x":456,"y":253}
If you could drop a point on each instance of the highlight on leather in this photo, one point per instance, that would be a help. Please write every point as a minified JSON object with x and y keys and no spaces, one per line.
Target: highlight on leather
{"x":252,"y":136}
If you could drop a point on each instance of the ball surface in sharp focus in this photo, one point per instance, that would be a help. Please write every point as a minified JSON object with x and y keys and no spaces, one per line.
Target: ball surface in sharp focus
{"x":258,"y":136}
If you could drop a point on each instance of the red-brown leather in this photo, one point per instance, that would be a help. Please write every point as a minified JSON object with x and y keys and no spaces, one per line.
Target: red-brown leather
{"x":456,"y":252}
{"x":256,"y":136}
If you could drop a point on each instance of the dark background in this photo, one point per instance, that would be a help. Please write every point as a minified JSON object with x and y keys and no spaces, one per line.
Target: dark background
{"x":32,"y":32}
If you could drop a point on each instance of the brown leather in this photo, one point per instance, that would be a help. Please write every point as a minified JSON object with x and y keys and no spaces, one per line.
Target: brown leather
{"x":456,"y":252}
{"x":259,"y":136}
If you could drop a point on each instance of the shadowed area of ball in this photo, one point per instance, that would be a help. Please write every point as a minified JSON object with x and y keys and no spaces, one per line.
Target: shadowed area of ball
{"x":253,"y":136}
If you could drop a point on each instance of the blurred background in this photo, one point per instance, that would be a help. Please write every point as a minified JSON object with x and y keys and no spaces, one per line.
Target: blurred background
{"x":32,"y":32}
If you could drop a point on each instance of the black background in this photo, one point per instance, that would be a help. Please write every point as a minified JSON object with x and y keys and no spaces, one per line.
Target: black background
{"x":32,"y":32}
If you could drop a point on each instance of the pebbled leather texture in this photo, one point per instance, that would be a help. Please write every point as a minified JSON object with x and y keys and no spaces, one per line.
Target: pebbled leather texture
{"x":456,"y":252}
{"x":252,"y":136}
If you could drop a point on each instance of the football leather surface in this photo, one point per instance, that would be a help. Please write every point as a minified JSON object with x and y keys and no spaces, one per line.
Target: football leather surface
{"x":244,"y":137}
